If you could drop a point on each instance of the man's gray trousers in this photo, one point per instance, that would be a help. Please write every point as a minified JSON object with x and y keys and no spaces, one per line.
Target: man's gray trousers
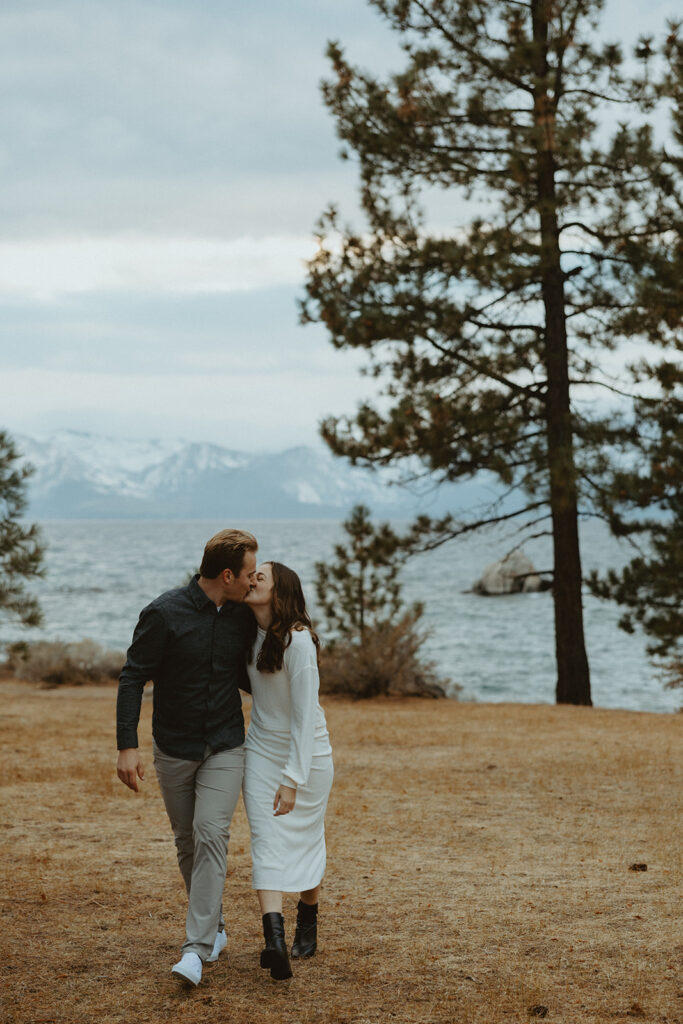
{"x":200,"y":799}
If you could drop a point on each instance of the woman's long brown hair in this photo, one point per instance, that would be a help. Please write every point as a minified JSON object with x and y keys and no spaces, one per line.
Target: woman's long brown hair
{"x":289,"y":612}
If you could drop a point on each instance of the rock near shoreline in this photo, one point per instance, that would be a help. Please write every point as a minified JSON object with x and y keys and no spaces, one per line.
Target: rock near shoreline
{"x":512,"y":574}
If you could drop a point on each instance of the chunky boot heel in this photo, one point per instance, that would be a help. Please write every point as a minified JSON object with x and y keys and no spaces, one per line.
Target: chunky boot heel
{"x":275,"y":956}
{"x":306,"y":935}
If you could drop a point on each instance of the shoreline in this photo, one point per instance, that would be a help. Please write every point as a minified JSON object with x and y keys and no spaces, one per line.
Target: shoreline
{"x":9,"y":680}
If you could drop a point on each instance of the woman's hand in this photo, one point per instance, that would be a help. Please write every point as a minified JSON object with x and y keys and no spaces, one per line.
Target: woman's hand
{"x":284,"y":801}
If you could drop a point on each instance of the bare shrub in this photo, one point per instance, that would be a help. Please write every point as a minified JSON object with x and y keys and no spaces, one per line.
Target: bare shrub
{"x":386,"y":661}
{"x":57,"y":663}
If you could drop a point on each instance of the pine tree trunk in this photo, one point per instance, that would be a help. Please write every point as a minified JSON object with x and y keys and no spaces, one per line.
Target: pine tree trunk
{"x":360,"y":598}
{"x":573,"y":677}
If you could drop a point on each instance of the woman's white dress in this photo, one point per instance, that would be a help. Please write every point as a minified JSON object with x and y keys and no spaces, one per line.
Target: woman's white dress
{"x":287,"y":744}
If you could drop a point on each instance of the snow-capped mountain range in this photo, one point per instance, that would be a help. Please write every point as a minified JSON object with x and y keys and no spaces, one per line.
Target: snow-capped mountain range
{"x":82,"y":475}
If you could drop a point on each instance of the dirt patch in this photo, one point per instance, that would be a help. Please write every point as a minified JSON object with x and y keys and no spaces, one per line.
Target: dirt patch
{"x":478,"y":872}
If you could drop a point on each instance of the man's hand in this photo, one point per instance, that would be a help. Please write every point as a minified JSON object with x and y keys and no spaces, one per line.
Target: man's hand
{"x":284,"y":801}
{"x":129,"y":767}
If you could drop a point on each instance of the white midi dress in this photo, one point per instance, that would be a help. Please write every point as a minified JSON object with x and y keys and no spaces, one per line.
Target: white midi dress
{"x":287,"y":744}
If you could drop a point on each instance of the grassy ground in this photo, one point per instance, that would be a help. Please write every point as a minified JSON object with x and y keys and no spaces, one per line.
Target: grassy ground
{"x":478,"y":867}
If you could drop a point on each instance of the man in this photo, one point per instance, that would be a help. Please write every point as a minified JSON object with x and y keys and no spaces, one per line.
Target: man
{"x":193,"y":643}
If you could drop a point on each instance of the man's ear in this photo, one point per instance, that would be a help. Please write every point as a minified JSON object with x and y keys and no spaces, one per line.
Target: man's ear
{"x":228,"y":576}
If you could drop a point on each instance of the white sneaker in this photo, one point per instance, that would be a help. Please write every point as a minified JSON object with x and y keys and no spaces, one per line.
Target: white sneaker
{"x":218,"y":947}
{"x":189,"y":968}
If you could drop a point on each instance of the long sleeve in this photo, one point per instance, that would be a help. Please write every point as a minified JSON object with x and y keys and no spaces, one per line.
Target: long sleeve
{"x":144,"y":657}
{"x":302,"y":671}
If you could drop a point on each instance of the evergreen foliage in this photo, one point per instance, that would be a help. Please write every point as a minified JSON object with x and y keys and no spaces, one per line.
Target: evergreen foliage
{"x":490,"y":338}
{"x":376,"y":641}
{"x":650,"y":587}
{"x":360,"y":590}
{"x":21,"y":551}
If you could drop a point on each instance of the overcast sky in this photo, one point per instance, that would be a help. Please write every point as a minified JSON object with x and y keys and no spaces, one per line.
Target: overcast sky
{"x":162,"y":167}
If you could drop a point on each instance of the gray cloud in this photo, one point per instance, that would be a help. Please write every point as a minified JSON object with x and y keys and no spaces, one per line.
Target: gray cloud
{"x":191,"y":334}
{"x":162,"y":116}
{"x":175,"y":122}
{"x":169,"y":115}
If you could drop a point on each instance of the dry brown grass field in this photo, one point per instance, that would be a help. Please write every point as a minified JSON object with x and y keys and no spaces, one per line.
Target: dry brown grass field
{"x":478,"y":868}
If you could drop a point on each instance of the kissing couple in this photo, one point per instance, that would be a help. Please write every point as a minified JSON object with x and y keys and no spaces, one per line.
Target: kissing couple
{"x":235,"y":626}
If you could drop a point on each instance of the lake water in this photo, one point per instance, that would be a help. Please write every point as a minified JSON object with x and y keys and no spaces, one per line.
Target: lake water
{"x":100,"y":573}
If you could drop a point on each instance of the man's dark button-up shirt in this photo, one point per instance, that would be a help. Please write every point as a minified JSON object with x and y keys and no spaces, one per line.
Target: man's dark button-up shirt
{"x":196,"y":656}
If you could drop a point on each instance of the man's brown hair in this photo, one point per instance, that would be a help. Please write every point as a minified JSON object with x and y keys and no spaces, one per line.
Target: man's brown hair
{"x":226,"y":551}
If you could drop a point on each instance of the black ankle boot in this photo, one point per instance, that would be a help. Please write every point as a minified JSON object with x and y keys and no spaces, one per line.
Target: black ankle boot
{"x":275,"y":954}
{"x":306,"y":936}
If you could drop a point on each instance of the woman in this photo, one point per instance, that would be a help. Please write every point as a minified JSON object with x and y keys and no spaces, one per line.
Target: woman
{"x":288,"y":769}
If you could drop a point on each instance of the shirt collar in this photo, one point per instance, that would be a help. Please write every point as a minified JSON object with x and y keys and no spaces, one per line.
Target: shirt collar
{"x":201,"y":600}
{"x":197,"y":594}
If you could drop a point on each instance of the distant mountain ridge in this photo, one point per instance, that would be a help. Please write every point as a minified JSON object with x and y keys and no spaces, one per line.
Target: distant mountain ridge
{"x":87,"y":476}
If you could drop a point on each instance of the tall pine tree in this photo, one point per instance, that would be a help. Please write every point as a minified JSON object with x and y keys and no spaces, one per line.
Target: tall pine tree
{"x":643,"y":498}
{"x":489,"y":336}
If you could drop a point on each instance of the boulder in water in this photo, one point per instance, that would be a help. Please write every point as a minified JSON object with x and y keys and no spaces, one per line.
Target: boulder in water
{"x":512,"y":574}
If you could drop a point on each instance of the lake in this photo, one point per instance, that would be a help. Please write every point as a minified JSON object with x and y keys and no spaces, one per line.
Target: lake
{"x":100,"y":573}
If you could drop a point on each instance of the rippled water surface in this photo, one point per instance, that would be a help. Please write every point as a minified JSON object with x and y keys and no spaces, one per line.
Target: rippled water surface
{"x":101,"y":573}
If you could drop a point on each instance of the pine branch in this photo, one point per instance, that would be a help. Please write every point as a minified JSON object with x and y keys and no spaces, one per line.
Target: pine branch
{"x":503,"y":326}
{"x":601,"y":384}
{"x":559,"y":73}
{"x":483,"y":370}
{"x":606,"y":236}
{"x":627,"y":101}
{"x":476,"y":57}
{"x":599,"y":257}
{"x":465,"y":528}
